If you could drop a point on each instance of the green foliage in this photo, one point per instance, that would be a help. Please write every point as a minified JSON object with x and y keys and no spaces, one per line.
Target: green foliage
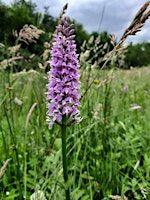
{"x":24,"y":12}
{"x":19,"y":13}
{"x":14,"y":17}
{"x":138,"y":55}
{"x":81,"y":35}
{"x":108,"y":151}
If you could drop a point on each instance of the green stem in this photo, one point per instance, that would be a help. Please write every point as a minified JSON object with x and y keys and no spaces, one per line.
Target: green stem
{"x":25,"y":165}
{"x":64,"y":156}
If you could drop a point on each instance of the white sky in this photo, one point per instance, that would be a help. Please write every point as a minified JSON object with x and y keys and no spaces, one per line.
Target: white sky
{"x":117,"y":15}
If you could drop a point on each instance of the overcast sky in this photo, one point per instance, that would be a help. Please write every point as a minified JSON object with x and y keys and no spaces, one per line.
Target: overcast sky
{"x":112,"y":16}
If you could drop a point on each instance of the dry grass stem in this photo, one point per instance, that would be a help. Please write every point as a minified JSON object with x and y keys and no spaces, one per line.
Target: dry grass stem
{"x":116,"y":197}
{"x":9,"y":62}
{"x":22,"y":73}
{"x":30,"y":113}
{"x":2,"y":170}
{"x":138,"y":21}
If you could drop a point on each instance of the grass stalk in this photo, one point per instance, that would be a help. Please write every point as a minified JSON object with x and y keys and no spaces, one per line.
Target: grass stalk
{"x":25,"y":165}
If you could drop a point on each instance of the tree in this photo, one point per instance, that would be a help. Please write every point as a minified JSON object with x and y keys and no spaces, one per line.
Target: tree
{"x":49,"y":22}
{"x":138,"y":54}
{"x":81,"y":35}
{"x":14,"y":17}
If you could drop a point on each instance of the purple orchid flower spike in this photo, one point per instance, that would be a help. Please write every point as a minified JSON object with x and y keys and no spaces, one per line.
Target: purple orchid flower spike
{"x":63,"y":87}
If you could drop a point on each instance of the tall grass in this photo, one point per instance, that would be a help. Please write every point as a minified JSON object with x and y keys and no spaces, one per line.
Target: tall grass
{"x":108,"y":151}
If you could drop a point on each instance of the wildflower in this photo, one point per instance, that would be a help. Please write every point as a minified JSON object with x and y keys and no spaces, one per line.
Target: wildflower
{"x":96,"y":81}
{"x":63,"y":83}
{"x":7,"y":193}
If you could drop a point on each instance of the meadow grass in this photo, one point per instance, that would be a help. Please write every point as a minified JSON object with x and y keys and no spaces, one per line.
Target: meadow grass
{"x":108,"y":151}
